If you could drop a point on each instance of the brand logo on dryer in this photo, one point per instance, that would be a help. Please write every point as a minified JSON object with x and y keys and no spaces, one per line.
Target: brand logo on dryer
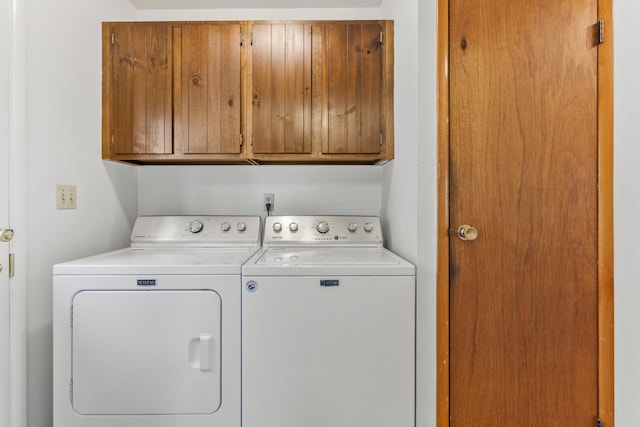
{"x":330,"y":282}
{"x":146,"y":282}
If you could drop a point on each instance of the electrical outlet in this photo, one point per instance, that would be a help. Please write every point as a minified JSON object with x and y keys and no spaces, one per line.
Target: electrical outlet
{"x":65,"y":196}
{"x":268,"y":198}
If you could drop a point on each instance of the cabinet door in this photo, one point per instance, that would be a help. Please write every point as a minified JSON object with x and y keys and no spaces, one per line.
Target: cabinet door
{"x":281,"y":88}
{"x":352,"y":62}
{"x":137,"y":102}
{"x":209,"y":100}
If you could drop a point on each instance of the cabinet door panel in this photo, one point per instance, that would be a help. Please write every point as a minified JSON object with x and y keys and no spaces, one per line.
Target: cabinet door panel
{"x":210,"y":88}
{"x":354,"y":73}
{"x":281,"y":84}
{"x":141,"y":89}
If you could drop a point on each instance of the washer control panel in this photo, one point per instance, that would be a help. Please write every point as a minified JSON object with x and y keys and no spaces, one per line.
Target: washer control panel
{"x":339,"y":230}
{"x":207,"y":230}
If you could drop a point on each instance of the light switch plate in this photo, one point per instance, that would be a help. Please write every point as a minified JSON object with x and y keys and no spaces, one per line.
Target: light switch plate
{"x":65,"y":196}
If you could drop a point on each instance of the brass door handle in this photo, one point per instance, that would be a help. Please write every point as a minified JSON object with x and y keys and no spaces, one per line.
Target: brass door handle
{"x":467,"y":232}
{"x":6,"y":234}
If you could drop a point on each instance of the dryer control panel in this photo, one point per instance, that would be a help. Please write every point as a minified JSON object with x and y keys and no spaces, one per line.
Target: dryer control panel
{"x":205,"y":231}
{"x":323,"y":230}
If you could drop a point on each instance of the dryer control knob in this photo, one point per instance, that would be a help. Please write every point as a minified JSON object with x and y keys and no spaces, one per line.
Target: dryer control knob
{"x":352,"y":227}
{"x":277,"y":227}
{"x":225,"y":226}
{"x":322,"y":227}
{"x":293,"y":227}
{"x":368,"y":227}
{"x":196,"y":226}
{"x":241,"y":226}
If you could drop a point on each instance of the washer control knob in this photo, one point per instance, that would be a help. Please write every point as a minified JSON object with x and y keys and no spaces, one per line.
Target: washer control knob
{"x":293,"y":227}
{"x":225,"y":226}
{"x":368,"y":227}
{"x":277,"y":227}
{"x":322,"y":227}
{"x":241,"y":226}
{"x":352,"y":227}
{"x":195,"y":226}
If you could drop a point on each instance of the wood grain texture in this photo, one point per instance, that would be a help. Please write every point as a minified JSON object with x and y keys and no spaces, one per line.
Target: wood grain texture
{"x":606,"y":402}
{"x":442,"y":275}
{"x":140,"y":98}
{"x":523,"y":170}
{"x":211,"y":96}
{"x":347,"y":107}
{"x":281,"y":88}
{"x":354,"y":88}
{"x":274,"y":110}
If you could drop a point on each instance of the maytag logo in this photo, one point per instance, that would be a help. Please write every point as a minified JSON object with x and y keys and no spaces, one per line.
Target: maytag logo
{"x":329,"y":282}
{"x":146,"y":282}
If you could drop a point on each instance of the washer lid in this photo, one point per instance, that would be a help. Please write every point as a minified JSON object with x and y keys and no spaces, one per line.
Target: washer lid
{"x":325,"y":256}
{"x":283,"y":261}
{"x":160,"y":260}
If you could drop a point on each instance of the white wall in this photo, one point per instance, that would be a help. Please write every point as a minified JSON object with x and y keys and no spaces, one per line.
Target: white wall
{"x":238,"y":190}
{"x":627,"y":212}
{"x":426,"y":221}
{"x":63,"y":147}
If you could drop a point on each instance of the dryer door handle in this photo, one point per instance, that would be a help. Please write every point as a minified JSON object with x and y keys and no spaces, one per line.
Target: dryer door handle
{"x":206,"y":352}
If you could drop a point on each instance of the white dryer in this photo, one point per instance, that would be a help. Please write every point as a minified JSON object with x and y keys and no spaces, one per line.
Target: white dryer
{"x":328,"y":327}
{"x":149,"y":335}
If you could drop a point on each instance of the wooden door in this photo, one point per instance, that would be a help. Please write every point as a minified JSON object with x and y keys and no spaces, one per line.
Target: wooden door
{"x":523,"y":170}
{"x":210,"y":89}
{"x":137,"y":100}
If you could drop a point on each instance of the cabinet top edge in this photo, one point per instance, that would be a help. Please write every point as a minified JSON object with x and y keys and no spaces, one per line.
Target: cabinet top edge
{"x":301,"y":21}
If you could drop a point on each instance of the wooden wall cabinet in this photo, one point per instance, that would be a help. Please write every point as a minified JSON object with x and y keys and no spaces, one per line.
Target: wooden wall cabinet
{"x":320,"y":91}
{"x":172,"y":92}
{"x":248,"y":92}
{"x":137,"y":90}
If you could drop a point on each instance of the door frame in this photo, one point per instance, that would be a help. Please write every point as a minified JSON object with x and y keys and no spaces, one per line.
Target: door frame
{"x":605,"y":218}
{"x":17,"y":212}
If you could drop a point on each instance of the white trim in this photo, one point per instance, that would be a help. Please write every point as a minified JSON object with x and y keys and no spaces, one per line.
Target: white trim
{"x":17,"y":213}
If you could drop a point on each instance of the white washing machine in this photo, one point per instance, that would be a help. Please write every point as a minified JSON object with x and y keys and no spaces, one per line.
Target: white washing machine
{"x":149,"y":336}
{"x":328,"y":327}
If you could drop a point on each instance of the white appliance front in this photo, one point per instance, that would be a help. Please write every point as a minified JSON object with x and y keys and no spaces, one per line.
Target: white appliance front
{"x":131,"y":354}
{"x":328,"y":327}
{"x":149,"y":335}
{"x":117,"y":330}
{"x":328,"y":356}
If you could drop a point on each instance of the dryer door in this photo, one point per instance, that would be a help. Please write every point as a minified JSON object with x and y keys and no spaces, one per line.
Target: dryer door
{"x":146,"y":352}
